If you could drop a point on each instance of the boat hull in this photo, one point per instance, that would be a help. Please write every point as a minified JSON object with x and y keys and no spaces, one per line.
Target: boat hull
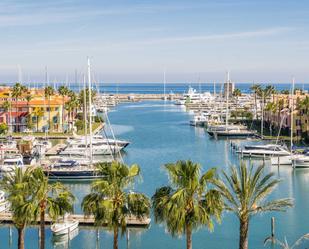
{"x":227,"y":134}
{"x":65,"y":228}
{"x":72,"y":175}
{"x":281,"y":160}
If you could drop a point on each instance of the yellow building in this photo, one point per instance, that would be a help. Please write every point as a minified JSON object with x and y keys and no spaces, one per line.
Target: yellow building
{"x":36,"y":112}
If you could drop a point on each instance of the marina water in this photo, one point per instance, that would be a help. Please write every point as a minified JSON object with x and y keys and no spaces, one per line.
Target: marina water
{"x":160,"y":133}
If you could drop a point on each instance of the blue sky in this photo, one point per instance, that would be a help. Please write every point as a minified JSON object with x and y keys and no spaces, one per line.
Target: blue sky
{"x":135,"y":41}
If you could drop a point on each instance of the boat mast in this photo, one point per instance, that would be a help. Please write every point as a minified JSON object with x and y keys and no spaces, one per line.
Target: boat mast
{"x":20,"y":78}
{"x":90,"y":111}
{"x":227,"y":100}
{"x":164,"y":82}
{"x":262,"y":115}
{"x":85,"y":111}
{"x":292,"y":110}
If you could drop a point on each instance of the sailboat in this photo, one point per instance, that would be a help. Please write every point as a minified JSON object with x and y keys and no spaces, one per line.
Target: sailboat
{"x":228,"y":130}
{"x":288,"y":159}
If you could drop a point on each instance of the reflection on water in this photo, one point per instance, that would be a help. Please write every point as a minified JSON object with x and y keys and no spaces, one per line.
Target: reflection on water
{"x":63,"y":241}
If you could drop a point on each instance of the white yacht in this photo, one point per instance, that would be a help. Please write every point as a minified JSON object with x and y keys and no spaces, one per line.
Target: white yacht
{"x":4,"y":203}
{"x":97,"y":149}
{"x":10,"y":162}
{"x":65,"y":227}
{"x":98,"y":139}
{"x":198,"y":120}
{"x":268,"y":150}
{"x":192,"y":96}
{"x":300,"y":161}
{"x":229,"y":131}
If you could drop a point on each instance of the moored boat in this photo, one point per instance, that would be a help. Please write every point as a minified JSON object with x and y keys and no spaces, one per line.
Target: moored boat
{"x":65,"y":227}
{"x":4,"y":203}
{"x":264,"y":151}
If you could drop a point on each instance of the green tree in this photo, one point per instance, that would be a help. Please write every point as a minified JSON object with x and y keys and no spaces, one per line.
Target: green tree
{"x":3,"y":128}
{"x":28,"y":99}
{"x":236,"y":95}
{"x":256,"y":89}
{"x":304,"y":105}
{"x":110,"y":203}
{"x":63,"y":91}
{"x":188,"y":202}
{"x":245,"y":191}
{"x":7,"y":107}
{"x":286,"y":92}
{"x":18,"y":90}
{"x":52,"y":199}
{"x":49,"y":91}
{"x":38,"y":112}
{"x":16,"y":186}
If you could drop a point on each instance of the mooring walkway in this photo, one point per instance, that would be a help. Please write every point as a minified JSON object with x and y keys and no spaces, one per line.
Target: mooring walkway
{"x":82,"y":219}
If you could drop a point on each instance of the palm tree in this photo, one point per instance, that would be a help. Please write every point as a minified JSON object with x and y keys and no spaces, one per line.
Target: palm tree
{"x":29,"y":97}
{"x":110,"y":203}
{"x":52,"y":199}
{"x":188,"y":202}
{"x":49,"y":91}
{"x":236,"y":94}
{"x":38,"y":113}
{"x":286,"y":92}
{"x":284,"y":244}
{"x":245,"y":191}
{"x":256,"y":90}
{"x":272,"y":108}
{"x":63,"y":91}
{"x":7,"y":107}
{"x":269,"y":91}
{"x":18,"y":90}
{"x":304,"y":104}
{"x":16,"y":185}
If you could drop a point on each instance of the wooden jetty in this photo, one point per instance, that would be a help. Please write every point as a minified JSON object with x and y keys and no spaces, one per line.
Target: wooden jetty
{"x":82,"y":219}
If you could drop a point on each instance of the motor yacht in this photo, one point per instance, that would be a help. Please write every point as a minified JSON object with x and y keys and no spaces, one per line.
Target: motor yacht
{"x":65,"y":227}
{"x":268,"y":150}
{"x":301,"y":161}
{"x":229,"y":131}
{"x":97,"y":149}
{"x":198,"y":120}
{"x":98,"y":139}
{"x":4,"y":203}
{"x":11,"y":162}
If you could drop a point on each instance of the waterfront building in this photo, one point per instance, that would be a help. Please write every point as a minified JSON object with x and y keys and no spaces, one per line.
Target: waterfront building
{"x":279,"y":112}
{"x":35,"y":113}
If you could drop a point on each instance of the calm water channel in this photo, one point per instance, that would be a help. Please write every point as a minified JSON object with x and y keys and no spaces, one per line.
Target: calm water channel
{"x":160,"y":133}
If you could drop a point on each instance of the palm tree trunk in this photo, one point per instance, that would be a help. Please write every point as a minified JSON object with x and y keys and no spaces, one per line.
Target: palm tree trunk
{"x":16,"y":118}
{"x":42,"y":228}
{"x":49,"y":115}
{"x":243,"y":236}
{"x":189,"y":237}
{"x":115,"y":237}
{"x":63,"y":113}
{"x":255,"y":105}
{"x":21,"y":239}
